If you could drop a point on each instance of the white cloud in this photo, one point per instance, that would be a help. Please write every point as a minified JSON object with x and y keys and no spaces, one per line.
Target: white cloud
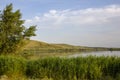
{"x":29,"y":21}
{"x":52,"y":12}
{"x":37,"y":19}
{"x":77,"y":18}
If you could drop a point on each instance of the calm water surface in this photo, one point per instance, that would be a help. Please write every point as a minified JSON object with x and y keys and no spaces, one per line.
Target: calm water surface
{"x":98,"y":53}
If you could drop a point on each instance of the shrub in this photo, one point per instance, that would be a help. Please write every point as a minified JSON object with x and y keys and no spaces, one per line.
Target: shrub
{"x":11,"y":66}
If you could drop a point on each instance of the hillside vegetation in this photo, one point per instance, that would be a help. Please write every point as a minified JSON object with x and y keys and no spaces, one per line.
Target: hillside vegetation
{"x":40,"y":44}
{"x":33,"y":46}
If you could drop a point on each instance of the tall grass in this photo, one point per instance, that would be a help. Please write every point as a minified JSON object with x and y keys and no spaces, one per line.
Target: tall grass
{"x":12,"y":66}
{"x":80,"y":68}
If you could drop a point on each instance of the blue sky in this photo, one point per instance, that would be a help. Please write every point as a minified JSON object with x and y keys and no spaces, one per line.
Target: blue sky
{"x":77,"y":22}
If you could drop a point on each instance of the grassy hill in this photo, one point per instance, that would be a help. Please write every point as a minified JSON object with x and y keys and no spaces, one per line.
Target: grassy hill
{"x":34,"y":49}
{"x":33,"y":46}
{"x":38,"y":46}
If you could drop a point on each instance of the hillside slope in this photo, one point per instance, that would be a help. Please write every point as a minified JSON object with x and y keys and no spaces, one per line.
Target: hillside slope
{"x":39,"y":44}
{"x":32,"y":46}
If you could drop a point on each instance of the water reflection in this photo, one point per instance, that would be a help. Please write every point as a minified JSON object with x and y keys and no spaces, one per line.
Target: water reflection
{"x":98,"y":53}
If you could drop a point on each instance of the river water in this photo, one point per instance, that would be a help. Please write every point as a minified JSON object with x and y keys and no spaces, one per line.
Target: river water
{"x":97,"y":53}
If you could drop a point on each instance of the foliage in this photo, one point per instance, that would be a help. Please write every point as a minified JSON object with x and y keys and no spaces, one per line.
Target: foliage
{"x":12,"y":66}
{"x":81,"y":68}
{"x":12,"y":30}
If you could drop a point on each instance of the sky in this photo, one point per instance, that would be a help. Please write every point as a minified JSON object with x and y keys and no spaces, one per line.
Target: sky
{"x":93,"y":23}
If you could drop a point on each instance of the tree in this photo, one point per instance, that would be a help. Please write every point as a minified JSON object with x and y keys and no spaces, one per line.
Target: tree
{"x":12,"y":30}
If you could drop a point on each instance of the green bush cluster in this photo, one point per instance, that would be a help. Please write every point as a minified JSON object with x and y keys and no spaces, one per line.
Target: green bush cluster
{"x":80,"y":68}
{"x":12,"y":66}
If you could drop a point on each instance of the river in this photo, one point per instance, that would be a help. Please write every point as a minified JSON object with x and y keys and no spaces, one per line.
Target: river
{"x":97,"y":53}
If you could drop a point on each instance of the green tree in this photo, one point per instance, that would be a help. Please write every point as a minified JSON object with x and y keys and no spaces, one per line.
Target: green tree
{"x":12,"y":30}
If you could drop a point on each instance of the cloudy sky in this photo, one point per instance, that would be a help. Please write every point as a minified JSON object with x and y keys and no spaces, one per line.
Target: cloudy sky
{"x":76,"y":22}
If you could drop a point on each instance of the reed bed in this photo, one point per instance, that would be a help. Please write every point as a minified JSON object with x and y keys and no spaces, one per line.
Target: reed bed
{"x":56,"y":68}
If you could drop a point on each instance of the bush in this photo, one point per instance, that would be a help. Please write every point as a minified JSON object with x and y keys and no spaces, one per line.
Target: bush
{"x":12,"y":66}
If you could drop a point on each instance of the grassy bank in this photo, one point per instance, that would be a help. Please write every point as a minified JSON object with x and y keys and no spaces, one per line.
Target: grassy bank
{"x":81,"y":68}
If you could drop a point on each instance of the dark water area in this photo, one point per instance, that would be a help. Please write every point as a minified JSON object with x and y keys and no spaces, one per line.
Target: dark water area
{"x":97,"y":53}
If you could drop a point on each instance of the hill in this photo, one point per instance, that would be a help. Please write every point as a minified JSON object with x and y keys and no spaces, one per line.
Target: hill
{"x":39,"y":44}
{"x":33,"y":46}
{"x":32,"y":49}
